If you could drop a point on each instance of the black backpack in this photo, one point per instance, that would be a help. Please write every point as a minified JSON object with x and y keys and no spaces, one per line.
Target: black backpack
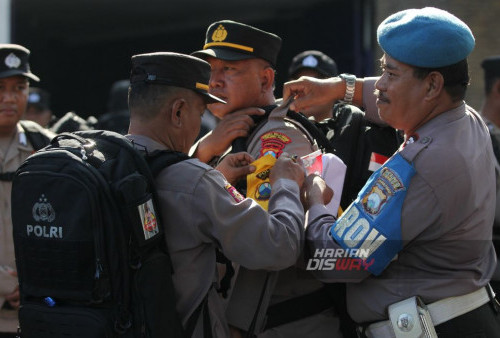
{"x":90,"y":249}
{"x":354,"y":139}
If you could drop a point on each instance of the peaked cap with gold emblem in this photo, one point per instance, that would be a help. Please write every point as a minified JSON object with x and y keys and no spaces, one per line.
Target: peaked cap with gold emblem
{"x":230,"y":40}
{"x":14,"y":60}
{"x":173,"y":69}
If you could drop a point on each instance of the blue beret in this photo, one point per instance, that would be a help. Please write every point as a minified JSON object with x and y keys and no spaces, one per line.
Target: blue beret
{"x":427,"y":37}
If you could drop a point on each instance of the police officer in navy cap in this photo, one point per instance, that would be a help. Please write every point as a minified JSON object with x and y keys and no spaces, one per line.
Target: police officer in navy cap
{"x":38,"y":108}
{"x":200,"y":208}
{"x":318,"y":65}
{"x":421,"y":228}
{"x":312,"y":63}
{"x":243,"y":62}
{"x":15,"y":147}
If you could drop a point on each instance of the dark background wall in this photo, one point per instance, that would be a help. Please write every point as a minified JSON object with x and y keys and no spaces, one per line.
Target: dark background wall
{"x":80,"y":47}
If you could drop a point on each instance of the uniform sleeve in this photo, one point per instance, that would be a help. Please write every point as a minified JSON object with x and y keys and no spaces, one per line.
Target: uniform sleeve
{"x":322,"y":250}
{"x":246,"y":233}
{"x":421,"y":211}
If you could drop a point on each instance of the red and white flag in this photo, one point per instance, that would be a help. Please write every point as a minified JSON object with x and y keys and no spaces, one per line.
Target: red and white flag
{"x":376,"y":161}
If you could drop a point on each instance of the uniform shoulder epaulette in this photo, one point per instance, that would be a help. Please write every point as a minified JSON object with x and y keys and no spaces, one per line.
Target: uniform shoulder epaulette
{"x":412,"y":148}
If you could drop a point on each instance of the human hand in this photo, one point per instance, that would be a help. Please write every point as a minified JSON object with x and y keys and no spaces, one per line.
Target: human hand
{"x":232,"y":126}
{"x":14,"y":298}
{"x":315,"y":191}
{"x":290,"y":167}
{"x":309,"y":92}
{"x":236,"y":166}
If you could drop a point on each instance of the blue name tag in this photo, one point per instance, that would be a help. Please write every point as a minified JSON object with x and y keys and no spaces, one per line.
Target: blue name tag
{"x":372,"y":223}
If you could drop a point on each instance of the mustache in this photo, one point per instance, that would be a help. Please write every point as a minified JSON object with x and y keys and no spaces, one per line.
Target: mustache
{"x":380,"y":95}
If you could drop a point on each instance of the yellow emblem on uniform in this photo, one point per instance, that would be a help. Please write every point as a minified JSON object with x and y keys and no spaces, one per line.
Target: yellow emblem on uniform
{"x":258,"y":186}
{"x":219,"y":34}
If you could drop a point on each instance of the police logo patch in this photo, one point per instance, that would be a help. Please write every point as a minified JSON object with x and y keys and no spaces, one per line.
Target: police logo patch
{"x":220,"y":34}
{"x":386,"y":185}
{"x":310,"y":61}
{"x":12,"y":61}
{"x":273,"y":143}
{"x":234,"y":193}
{"x":43,"y":211}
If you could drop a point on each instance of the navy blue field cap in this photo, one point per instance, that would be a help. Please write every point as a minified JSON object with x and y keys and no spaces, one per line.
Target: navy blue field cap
{"x":427,"y":37}
{"x":491,"y":66}
{"x":173,"y":69}
{"x":232,"y":41}
{"x":39,"y":98}
{"x":14,"y":60}
{"x":315,"y":60}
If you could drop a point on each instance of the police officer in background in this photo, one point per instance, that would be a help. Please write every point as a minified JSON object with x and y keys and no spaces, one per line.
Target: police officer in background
{"x":421,"y":227}
{"x":201,"y":210}
{"x":15,"y":147}
{"x":318,"y":65}
{"x":491,"y":114}
{"x":38,"y":108}
{"x":243,"y":58}
{"x":117,"y":116}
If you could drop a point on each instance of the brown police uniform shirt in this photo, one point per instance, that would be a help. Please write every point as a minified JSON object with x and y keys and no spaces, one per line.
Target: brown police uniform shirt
{"x":446,"y":221}
{"x":276,"y":136}
{"x":17,"y":151}
{"x":201,"y":212}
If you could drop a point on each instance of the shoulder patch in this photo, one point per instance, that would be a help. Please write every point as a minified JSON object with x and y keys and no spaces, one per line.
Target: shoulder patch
{"x":386,"y":186}
{"x":273,"y":143}
{"x":234,"y":193}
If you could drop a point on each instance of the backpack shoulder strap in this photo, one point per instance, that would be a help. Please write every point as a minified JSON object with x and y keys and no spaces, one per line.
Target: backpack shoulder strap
{"x":160,"y":159}
{"x":240,"y":143}
{"x":312,"y":129}
{"x":38,"y":136}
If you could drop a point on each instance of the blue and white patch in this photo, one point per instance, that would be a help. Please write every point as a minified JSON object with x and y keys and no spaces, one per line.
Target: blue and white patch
{"x":373,"y":221}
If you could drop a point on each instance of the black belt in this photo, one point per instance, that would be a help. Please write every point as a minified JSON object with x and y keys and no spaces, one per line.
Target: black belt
{"x":297,"y":308}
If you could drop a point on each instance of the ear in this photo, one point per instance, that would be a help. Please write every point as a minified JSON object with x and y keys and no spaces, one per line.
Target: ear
{"x":435,"y":85}
{"x":267,"y":78}
{"x":176,"y":113}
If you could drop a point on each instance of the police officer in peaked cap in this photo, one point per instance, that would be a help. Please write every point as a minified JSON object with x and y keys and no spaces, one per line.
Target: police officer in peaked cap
{"x":15,"y":147}
{"x":200,"y":208}
{"x":243,"y":61}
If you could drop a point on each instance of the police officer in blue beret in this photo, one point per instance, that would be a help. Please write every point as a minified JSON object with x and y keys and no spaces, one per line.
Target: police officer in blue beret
{"x":419,"y":235}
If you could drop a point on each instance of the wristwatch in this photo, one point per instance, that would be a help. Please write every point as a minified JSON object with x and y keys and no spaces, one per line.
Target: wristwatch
{"x":350,"y":83}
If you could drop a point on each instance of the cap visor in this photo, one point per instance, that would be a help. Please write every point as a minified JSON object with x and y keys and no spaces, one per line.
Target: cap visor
{"x":16,"y":72}
{"x":223,"y":54}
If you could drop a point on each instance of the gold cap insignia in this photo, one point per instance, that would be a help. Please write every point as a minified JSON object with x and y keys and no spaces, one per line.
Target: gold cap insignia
{"x":12,"y":61}
{"x":220,"y":34}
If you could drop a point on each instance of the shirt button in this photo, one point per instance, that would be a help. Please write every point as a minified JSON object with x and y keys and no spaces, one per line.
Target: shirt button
{"x":425,"y":140}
